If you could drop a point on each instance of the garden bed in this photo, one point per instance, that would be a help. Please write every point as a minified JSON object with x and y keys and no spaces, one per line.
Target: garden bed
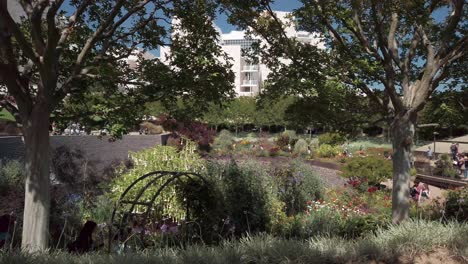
{"x":327,"y":171}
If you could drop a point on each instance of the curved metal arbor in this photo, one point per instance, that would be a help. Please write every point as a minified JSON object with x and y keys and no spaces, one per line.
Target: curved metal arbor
{"x":167,"y":177}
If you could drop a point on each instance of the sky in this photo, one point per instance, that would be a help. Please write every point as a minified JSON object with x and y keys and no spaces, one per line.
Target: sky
{"x":278,"y":5}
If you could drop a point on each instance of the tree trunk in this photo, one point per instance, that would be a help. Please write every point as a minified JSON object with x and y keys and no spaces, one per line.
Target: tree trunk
{"x":37,"y":196}
{"x":402,"y":133}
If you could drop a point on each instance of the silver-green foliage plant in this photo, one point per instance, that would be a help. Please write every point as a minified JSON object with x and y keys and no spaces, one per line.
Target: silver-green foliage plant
{"x":224,"y":140}
{"x":301,"y":146}
{"x":291,"y":135}
{"x":158,"y":158}
{"x":11,"y":175}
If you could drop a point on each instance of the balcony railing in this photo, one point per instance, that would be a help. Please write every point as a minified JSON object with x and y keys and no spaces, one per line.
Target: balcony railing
{"x":249,"y":82}
{"x":250,"y":68}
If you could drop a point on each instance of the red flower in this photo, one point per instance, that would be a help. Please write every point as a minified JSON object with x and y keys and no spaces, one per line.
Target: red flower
{"x":372,"y":189}
{"x":309,"y":202}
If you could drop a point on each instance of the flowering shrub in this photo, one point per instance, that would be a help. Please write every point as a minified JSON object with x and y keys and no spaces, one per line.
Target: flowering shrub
{"x":244,"y":142}
{"x":344,"y":209}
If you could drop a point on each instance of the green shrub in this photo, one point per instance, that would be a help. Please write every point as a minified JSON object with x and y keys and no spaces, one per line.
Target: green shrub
{"x":297,"y":184}
{"x":357,"y":226}
{"x":100,"y":211}
{"x":328,"y":151}
{"x":252,"y":135}
{"x":450,"y":172}
{"x":224,"y":140}
{"x":333,"y":139}
{"x":244,"y":195}
{"x":456,"y":205}
{"x":158,"y":158}
{"x":11,"y":175}
{"x":371,"y":169}
{"x":313,"y":143}
{"x":300,"y":147}
{"x":291,"y":134}
{"x":445,"y":167}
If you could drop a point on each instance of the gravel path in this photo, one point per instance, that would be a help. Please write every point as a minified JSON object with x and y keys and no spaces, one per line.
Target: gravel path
{"x":331,"y":178}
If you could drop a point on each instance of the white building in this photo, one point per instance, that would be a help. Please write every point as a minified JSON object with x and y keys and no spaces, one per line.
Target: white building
{"x":250,"y":77}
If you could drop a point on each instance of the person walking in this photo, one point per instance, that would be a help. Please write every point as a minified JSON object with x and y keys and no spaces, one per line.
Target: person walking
{"x":454,"y":150}
{"x":429,"y":153}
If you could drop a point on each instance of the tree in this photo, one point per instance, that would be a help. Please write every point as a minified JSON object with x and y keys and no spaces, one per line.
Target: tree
{"x":51,"y":54}
{"x":215,"y":115}
{"x":240,"y":111}
{"x":403,"y":47}
{"x":447,"y":108}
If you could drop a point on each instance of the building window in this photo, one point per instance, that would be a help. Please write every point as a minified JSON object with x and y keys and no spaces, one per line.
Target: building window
{"x":246,"y":89}
{"x":244,"y":43}
{"x":249,"y":76}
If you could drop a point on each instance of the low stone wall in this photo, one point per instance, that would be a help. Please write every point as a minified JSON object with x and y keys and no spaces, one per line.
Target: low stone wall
{"x":98,"y":153}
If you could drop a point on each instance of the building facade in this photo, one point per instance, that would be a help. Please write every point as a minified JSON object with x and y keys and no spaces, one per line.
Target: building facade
{"x":250,"y":77}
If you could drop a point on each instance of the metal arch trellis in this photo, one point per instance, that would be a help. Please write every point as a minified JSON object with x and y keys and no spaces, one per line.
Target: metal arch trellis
{"x":155,"y":176}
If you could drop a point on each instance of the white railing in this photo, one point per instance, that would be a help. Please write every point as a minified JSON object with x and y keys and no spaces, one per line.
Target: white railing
{"x":250,"y":68}
{"x":249,"y":82}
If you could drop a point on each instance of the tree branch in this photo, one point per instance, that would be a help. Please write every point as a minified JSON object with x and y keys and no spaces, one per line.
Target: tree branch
{"x":405,"y":71}
{"x":359,"y":33}
{"x":36,"y":27}
{"x":392,"y":43}
{"x":72,"y":21}
{"x":458,"y":50}
{"x":125,"y":17}
{"x":13,"y":28}
{"x":452,"y":23}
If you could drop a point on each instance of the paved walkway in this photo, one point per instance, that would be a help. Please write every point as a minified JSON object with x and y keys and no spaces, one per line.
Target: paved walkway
{"x":444,"y":147}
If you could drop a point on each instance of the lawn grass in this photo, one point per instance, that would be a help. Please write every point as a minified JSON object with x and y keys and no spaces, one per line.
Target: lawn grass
{"x":407,"y":240}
